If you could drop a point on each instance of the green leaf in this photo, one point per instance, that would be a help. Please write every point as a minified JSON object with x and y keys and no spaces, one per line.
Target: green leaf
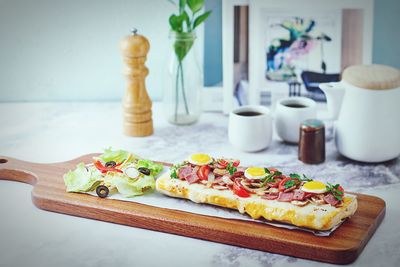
{"x":333,"y":189}
{"x":174,"y":170}
{"x":155,"y":168}
{"x":115,"y":155}
{"x":294,"y":176}
{"x":174,"y":175}
{"x":182,"y":4}
{"x":82,"y":179}
{"x":200,"y":19}
{"x":277,"y":173}
{"x":133,"y":187}
{"x":195,"y":5}
{"x":176,"y":22}
{"x":187,"y":20}
{"x":305,"y":178}
{"x":266,"y":170}
{"x":290,"y":183}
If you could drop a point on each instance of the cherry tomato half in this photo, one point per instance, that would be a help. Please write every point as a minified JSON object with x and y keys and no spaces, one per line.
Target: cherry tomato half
{"x":340,"y":188}
{"x":236,"y":163}
{"x":223,"y":163}
{"x":239,"y":190}
{"x":203,"y":172}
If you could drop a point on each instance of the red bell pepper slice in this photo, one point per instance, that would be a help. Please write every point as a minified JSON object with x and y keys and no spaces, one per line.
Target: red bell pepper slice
{"x":104,"y":169}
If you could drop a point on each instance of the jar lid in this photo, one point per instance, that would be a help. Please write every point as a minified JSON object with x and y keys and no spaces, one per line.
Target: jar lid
{"x":373,"y":77}
{"x":312,"y":125}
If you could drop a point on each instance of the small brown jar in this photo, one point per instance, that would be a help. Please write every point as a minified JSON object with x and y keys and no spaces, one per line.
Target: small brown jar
{"x":312,"y":142}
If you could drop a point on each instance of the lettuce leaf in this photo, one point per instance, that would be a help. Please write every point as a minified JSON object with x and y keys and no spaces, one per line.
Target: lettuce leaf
{"x":82,"y":179}
{"x":155,"y":168}
{"x":133,"y":187}
{"x":115,"y":155}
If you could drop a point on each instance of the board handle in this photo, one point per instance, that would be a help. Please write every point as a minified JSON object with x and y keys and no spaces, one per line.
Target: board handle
{"x":17,"y":170}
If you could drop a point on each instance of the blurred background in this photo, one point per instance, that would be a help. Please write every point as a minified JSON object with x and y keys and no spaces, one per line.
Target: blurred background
{"x":54,"y":50}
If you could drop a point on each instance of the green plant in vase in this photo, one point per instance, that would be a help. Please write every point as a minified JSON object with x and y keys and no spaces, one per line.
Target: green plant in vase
{"x":183,"y":25}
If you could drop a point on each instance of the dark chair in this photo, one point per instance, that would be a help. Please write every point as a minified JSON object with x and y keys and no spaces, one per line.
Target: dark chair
{"x":312,"y":80}
{"x":294,"y":88}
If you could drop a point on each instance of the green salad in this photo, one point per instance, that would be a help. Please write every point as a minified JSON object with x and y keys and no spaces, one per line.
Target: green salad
{"x":114,"y":170}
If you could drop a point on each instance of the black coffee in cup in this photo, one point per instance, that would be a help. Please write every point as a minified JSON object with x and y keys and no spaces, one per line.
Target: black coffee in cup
{"x":248,"y":113}
{"x":295,"y":105}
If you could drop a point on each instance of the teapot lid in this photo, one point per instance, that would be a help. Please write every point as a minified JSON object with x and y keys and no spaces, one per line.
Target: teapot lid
{"x":373,"y":77}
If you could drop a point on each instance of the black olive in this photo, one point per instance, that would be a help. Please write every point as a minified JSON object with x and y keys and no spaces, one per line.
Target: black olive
{"x":102,"y":191}
{"x":144,"y":170}
{"x":110,"y":164}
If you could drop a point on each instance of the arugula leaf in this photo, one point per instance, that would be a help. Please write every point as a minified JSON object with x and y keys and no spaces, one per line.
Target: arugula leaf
{"x":232,"y":169}
{"x":267,"y":170}
{"x":289,"y":184}
{"x":334,"y":190}
{"x":174,"y":170}
{"x":301,"y":179}
{"x":306,"y":179}
{"x":270,"y":177}
{"x":294,"y":176}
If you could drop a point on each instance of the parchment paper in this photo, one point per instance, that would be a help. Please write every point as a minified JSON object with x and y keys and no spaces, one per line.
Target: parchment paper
{"x":157,"y":199}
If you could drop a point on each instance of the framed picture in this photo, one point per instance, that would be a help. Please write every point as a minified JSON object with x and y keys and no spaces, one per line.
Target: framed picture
{"x":295,"y":47}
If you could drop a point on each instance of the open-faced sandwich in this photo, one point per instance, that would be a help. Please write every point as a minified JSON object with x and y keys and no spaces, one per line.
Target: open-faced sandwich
{"x":114,"y":170}
{"x":260,"y":192}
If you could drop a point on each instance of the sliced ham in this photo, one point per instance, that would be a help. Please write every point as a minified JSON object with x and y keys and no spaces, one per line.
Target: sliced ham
{"x":184,"y":171}
{"x":188,"y":174}
{"x":271,"y":196}
{"x":290,"y":189}
{"x":237,"y":174}
{"x":285,"y":197}
{"x":330,"y":199}
{"x":299,"y":195}
{"x":192,"y":178}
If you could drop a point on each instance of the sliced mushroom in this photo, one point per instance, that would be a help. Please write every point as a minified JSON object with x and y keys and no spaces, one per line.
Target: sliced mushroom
{"x":221,"y":172}
{"x":299,"y":203}
{"x":273,"y":190}
{"x":219,"y":187}
{"x":227,"y":180}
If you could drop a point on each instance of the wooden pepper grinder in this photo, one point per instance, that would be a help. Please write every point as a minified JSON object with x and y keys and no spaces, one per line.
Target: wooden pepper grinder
{"x":136,"y":103}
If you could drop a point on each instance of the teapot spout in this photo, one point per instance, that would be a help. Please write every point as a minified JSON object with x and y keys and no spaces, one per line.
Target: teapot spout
{"x":334,"y":93}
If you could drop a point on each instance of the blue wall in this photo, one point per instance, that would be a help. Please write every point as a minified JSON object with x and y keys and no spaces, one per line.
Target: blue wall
{"x":213,"y":44}
{"x":386,"y":38}
{"x":386,"y":47}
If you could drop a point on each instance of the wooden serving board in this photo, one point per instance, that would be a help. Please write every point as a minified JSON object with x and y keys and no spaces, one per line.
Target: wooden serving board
{"x":342,"y":247}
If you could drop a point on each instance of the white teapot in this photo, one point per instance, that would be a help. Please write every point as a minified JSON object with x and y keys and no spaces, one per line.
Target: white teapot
{"x":366,"y":104}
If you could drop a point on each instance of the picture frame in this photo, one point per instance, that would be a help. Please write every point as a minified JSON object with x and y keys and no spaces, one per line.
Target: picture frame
{"x":257,"y":50}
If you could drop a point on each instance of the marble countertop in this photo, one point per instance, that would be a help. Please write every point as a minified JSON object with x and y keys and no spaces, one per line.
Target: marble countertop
{"x":52,"y":132}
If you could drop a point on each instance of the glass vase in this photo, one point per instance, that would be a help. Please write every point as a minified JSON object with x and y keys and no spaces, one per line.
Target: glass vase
{"x":183,"y":81}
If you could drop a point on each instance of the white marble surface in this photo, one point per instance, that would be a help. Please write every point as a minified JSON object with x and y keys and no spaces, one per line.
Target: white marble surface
{"x":51,"y":132}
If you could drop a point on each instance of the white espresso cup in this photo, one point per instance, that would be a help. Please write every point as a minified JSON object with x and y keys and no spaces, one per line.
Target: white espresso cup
{"x":250,"y":128}
{"x":290,"y":113}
